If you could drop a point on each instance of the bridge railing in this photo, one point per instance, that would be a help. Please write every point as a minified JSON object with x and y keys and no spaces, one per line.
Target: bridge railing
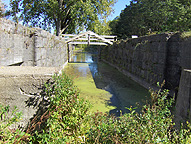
{"x":90,"y":38}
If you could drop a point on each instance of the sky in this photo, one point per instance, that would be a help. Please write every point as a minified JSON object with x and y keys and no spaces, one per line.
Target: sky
{"x":118,"y":7}
{"x":5,"y":1}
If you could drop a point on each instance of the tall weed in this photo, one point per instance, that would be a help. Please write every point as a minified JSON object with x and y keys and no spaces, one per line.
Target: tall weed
{"x":153,"y":125}
{"x":68,"y":120}
{"x":65,"y":117}
{"x":8,"y":132}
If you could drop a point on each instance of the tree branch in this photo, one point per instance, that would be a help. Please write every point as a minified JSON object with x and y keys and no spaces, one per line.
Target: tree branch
{"x":65,"y":27}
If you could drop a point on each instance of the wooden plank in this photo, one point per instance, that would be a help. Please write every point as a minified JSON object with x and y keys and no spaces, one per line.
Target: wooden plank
{"x":85,"y":39}
{"x":69,"y":35}
{"x":108,"y":36}
{"x":105,"y":36}
{"x":91,"y":39}
{"x":83,"y":36}
{"x":103,"y":39}
{"x":111,"y":40}
{"x":72,"y":35}
{"x":78,"y":36}
{"x":91,"y":43}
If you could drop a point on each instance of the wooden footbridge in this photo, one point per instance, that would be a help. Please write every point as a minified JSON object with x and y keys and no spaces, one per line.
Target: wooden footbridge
{"x":89,"y":38}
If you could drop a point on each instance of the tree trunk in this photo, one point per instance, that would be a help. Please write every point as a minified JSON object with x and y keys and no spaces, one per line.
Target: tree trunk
{"x":58,"y":21}
{"x":58,"y":27}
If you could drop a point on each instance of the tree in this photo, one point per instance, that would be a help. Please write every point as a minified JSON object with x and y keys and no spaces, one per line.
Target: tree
{"x":142,"y":17}
{"x":2,"y":10}
{"x":130,"y":22}
{"x":64,"y":15}
{"x":101,"y":27}
{"x":113,"y":25}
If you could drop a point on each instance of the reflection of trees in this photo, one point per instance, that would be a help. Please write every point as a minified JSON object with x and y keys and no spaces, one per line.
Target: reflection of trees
{"x":125,"y":92}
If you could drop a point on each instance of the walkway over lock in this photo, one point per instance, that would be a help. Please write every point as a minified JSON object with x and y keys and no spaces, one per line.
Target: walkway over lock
{"x":89,"y":38}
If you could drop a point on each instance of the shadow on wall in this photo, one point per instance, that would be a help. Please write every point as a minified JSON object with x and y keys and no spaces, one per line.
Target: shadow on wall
{"x":148,"y":59}
{"x":40,"y":102}
{"x":173,"y":64}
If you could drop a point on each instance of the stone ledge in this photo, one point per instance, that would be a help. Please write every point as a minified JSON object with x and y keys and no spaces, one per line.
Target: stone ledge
{"x":27,"y":70}
{"x":23,"y":87}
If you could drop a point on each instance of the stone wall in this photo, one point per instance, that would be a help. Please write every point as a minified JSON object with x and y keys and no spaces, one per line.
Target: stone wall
{"x":186,"y":53}
{"x":173,"y":62}
{"x":183,"y":102}
{"x":30,"y":46}
{"x":152,"y":59}
{"x":143,"y":59}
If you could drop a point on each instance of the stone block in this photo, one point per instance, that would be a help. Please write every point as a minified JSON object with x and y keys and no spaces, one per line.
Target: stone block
{"x":175,"y":37}
{"x":162,"y":47}
{"x":186,"y":63}
{"x":183,"y":106}
{"x":39,"y":42}
{"x":38,"y":55}
{"x":21,"y":89}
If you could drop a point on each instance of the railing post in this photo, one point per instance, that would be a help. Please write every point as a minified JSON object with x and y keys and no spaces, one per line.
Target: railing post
{"x":68,"y":52}
{"x":88,"y":39}
{"x":99,"y":52}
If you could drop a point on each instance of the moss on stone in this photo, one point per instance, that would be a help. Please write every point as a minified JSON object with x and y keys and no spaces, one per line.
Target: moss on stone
{"x":186,"y":34}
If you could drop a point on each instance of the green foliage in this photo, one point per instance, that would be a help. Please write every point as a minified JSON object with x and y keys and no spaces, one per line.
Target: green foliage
{"x":186,"y":34}
{"x":67,"y":16}
{"x":8,"y":133}
{"x":143,"y":17}
{"x":153,"y":125}
{"x":67,"y":120}
{"x":113,"y":25}
{"x":15,"y":10}
{"x":1,"y":9}
{"x":101,"y":27}
{"x":65,"y":117}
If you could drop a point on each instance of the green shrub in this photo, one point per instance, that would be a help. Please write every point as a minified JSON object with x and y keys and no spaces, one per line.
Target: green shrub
{"x":64,"y":121}
{"x":8,"y":133}
{"x":67,"y":120}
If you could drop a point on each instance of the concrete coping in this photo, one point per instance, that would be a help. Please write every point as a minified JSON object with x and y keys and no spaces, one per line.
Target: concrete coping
{"x":27,"y":70}
{"x":188,"y":70}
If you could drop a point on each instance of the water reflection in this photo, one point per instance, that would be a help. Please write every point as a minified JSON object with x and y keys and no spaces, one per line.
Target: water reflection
{"x":83,"y":57}
{"x":123,"y":92}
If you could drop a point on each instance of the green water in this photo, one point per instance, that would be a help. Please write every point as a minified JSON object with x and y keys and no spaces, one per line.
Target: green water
{"x":107,"y":89}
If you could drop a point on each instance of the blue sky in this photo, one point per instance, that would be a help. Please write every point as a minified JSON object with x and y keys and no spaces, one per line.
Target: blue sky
{"x":118,"y":7}
{"x":5,"y":1}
